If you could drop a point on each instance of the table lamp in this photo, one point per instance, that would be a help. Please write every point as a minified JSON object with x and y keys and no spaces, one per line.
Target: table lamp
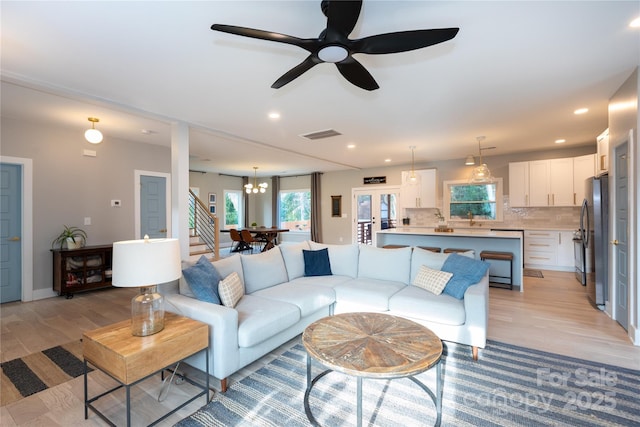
{"x":145,"y":264}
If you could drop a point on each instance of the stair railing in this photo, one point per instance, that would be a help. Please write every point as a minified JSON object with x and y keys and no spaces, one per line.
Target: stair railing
{"x":204,"y":223}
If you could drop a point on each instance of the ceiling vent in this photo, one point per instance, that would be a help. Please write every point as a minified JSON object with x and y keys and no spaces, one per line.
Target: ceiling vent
{"x":321,"y":134}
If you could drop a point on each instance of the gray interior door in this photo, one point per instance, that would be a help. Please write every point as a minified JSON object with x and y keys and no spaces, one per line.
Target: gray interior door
{"x":10,"y":232}
{"x":621,"y":239}
{"x":153,"y":201}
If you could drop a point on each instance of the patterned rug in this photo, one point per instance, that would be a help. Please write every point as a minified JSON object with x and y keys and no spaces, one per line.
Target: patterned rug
{"x":529,"y":272}
{"x":39,"y":371}
{"x":509,"y":386}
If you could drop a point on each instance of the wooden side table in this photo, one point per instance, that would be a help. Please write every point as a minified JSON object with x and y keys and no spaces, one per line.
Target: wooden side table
{"x":130,"y":359}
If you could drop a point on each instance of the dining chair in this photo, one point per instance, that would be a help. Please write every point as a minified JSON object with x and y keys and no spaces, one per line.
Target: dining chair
{"x":249,"y":240}
{"x":240,"y":244}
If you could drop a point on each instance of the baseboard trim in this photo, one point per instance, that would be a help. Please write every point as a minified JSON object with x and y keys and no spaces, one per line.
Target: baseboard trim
{"x":43,"y":293}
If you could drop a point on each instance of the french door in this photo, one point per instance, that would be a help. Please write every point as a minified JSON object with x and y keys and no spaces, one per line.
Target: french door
{"x":373,"y":210}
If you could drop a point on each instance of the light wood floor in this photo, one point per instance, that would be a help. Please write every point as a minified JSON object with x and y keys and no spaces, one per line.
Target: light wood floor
{"x":553,"y":314}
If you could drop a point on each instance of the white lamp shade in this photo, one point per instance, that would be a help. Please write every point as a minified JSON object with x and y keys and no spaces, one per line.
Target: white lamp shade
{"x":145,"y":262}
{"x":94,"y":136}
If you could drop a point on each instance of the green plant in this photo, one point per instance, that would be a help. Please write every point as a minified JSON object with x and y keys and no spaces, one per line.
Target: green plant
{"x":439,"y":215}
{"x":72,"y":233}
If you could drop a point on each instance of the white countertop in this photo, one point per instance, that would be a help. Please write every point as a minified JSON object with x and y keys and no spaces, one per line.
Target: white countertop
{"x":463,"y":232}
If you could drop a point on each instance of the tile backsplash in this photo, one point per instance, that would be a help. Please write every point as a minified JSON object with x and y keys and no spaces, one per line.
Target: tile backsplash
{"x":525,"y":218}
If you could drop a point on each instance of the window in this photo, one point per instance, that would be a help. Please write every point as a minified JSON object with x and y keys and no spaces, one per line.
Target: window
{"x":482,"y":202}
{"x":232,"y":208}
{"x":295,"y":210}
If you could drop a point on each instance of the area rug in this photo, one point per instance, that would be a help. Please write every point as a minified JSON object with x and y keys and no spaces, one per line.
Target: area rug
{"x":39,"y":371}
{"x":529,"y":272}
{"x":509,"y":386}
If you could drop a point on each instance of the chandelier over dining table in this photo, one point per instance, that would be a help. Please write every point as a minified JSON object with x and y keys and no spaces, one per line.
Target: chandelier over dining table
{"x":255,"y":187}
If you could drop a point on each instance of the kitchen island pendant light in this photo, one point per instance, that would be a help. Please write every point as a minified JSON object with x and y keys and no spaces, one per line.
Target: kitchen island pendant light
{"x":481,"y":173}
{"x":412,"y":178}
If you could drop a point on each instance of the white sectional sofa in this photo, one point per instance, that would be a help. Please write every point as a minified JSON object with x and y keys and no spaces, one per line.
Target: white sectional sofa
{"x":280,"y":301}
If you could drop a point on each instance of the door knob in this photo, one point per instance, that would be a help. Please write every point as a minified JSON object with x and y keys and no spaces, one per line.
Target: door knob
{"x":615,"y":242}
{"x":14,"y":239}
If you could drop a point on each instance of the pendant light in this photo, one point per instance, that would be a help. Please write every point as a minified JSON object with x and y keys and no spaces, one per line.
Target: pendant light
{"x":412,"y":178}
{"x":255,"y":187}
{"x":93,"y":135}
{"x":481,"y":173}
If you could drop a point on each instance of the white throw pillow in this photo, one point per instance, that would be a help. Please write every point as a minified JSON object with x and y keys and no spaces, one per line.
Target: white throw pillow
{"x":432,"y":280}
{"x":231,"y":290}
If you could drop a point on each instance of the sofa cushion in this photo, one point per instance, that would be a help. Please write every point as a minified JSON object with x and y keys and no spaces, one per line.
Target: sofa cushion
{"x":183,"y":286}
{"x":226,"y":266}
{"x":316,"y":263}
{"x":385,"y":264}
{"x":369,"y":294}
{"x":420,"y":257}
{"x":259,"y":319}
{"x":466,"y":272}
{"x":203,"y":280}
{"x":343,"y":258}
{"x":263,"y":270}
{"x":417,"y":303}
{"x":326,"y":281}
{"x":308,"y":298}
{"x":231,"y":290}
{"x":431,"y":280}
{"x":293,"y":259}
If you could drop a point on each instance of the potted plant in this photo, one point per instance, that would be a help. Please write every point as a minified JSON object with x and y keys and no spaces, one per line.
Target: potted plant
{"x":74,"y":238}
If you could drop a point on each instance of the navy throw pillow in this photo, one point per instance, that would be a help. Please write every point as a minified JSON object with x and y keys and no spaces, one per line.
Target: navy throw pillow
{"x":466,"y":272}
{"x":316,"y":263}
{"x":203,"y":279}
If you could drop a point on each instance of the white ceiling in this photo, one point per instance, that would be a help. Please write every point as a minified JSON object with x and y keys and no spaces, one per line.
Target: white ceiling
{"x":515,"y":72}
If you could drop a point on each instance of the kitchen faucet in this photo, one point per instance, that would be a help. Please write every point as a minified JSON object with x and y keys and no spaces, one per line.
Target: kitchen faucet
{"x":471,"y":221}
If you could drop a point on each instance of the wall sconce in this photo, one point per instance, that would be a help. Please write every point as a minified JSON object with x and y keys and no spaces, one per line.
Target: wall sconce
{"x":470,"y":161}
{"x":93,"y":135}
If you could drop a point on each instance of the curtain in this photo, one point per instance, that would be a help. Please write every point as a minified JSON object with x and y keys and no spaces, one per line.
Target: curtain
{"x":275,"y":200}
{"x":245,"y":219}
{"x":316,"y":198}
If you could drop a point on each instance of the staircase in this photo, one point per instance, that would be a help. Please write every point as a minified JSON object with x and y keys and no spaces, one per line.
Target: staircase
{"x":204,"y":234}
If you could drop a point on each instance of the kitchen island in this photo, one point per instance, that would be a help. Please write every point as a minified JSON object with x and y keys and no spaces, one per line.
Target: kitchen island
{"x":477,"y":239}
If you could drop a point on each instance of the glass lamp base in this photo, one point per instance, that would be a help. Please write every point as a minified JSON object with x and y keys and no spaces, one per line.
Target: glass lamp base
{"x":147,"y":312}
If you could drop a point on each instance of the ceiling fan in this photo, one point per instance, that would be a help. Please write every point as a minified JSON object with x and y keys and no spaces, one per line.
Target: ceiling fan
{"x":334,"y":46}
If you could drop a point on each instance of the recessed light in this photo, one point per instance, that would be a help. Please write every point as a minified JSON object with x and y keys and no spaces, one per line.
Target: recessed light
{"x":274,"y":115}
{"x":560,"y":141}
{"x":387,"y":160}
{"x":581,"y":111}
{"x":635,"y":23}
{"x":351,"y":146}
{"x":147,"y":131}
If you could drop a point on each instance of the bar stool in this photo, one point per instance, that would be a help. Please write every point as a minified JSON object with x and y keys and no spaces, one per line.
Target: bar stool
{"x":430,"y":248}
{"x":499,"y":256}
{"x":394,"y":246}
{"x":456,"y":250}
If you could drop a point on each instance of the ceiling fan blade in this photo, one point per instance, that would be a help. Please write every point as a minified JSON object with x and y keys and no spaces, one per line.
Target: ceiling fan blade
{"x":296,"y":71}
{"x":355,"y":72}
{"x":308,"y":44}
{"x":402,"y":41}
{"x":341,"y":18}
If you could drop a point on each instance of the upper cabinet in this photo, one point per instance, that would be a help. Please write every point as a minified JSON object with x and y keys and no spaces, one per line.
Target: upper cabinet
{"x":602,"y":159}
{"x":421,"y":195}
{"x":555,"y":182}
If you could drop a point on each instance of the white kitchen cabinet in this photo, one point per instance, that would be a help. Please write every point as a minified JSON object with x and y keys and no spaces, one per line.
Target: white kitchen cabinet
{"x":421,"y":195}
{"x":555,"y":182}
{"x":519,"y":184}
{"x":583,"y":168}
{"x":602,"y":159}
{"x":539,"y":183}
{"x":549,"y":249}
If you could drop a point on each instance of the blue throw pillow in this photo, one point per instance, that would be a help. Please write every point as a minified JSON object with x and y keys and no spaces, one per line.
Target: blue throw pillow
{"x":316,"y":263}
{"x":466,"y":272}
{"x":203,"y":279}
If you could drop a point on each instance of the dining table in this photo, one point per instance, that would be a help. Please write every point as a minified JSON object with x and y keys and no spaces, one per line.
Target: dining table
{"x":268,"y":235}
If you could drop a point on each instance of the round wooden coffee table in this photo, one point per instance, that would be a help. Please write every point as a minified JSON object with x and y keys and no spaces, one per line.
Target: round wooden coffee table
{"x":372,"y":345}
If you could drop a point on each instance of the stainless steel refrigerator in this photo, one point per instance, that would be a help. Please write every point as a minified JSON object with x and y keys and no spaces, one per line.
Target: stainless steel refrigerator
{"x":594,"y":226}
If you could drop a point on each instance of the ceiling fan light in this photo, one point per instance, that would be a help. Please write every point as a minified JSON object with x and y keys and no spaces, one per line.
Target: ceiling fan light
{"x":333,"y":54}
